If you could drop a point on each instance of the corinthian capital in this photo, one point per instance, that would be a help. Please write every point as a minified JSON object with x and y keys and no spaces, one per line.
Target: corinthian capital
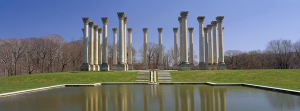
{"x":200,"y":19}
{"x":129,"y":30}
{"x":159,"y":30}
{"x":214,"y":23}
{"x":100,"y":30}
{"x":179,"y":19}
{"x":209,"y":26}
{"x":92,"y":24}
{"x":86,"y":20}
{"x":145,"y":30}
{"x":115,"y":30}
{"x":184,"y":13}
{"x":96,"y":27}
{"x":191,"y":29}
{"x":205,"y":29}
{"x":104,"y":20}
{"x":125,"y":20}
{"x":220,"y":19}
{"x":121,"y":15}
{"x":175,"y":30}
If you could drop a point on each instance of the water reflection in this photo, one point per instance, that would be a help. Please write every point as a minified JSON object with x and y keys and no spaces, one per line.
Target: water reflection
{"x":152,"y":98}
{"x":121,"y":98}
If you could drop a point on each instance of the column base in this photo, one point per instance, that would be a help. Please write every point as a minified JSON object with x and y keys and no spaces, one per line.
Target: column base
{"x":84,"y":67}
{"x":202,"y":66}
{"x":215,"y":66}
{"x":145,"y":67}
{"x":222,"y":66}
{"x":192,"y":67}
{"x":121,"y":67}
{"x":113,"y":67}
{"x":209,"y":66}
{"x":91,"y":67}
{"x":96,"y":67}
{"x":185,"y":66}
{"x":130,"y":67}
{"x":104,"y":67}
{"x":161,"y":67}
{"x":175,"y":67}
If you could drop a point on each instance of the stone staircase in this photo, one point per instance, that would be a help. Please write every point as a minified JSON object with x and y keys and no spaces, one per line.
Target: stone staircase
{"x":142,"y":76}
{"x":164,"y":76}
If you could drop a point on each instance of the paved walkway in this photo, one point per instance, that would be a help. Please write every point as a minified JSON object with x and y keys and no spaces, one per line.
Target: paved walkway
{"x":142,"y":76}
{"x":164,"y":76}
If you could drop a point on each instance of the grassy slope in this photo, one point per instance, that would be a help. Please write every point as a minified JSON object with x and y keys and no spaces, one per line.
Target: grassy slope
{"x":23,"y":82}
{"x":282,"y":78}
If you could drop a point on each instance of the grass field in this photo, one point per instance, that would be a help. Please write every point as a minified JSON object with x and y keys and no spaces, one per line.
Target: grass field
{"x":24,"y":82}
{"x":281,"y":78}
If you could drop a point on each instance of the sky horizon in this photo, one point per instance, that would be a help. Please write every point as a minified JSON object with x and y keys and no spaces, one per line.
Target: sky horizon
{"x":249,"y":25}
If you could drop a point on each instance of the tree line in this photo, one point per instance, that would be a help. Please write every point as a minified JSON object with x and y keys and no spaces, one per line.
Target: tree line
{"x":51,"y":53}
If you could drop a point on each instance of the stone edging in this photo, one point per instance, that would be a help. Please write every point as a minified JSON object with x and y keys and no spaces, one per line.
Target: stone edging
{"x":162,"y":83}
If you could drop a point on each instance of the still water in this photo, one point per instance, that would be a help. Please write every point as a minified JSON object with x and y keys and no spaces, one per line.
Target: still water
{"x":152,"y":98}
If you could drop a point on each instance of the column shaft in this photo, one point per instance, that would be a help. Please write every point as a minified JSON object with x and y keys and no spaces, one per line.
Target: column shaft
{"x":175,"y":48}
{"x":96,"y":45}
{"x":130,"y":49}
{"x":85,"y":65}
{"x":115,"y":46}
{"x":100,"y":46}
{"x":160,"y":59}
{"x":125,"y":40}
{"x":145,"y":62}
{"x":210,"y":52}
{"x":121,"y":41}
{"x":185,"y":63}
{"x":191,"y":60}
{"x":222,"y":65}
{"x":180,"y":39}
{"x":104,"y":66}
{"x":202,"y":65}
{"x":91,"y":46}
{"x":215,"y":50}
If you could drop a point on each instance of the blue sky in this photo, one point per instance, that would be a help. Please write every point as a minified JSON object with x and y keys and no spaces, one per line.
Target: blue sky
{"x":249,"y":24}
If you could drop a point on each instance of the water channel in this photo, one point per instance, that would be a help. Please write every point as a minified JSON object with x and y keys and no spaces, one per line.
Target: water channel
{"x":152,"y":98}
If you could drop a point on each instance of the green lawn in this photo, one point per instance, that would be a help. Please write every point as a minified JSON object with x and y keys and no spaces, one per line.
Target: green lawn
{"x":24,"y":82}
{"x":281,"y":78}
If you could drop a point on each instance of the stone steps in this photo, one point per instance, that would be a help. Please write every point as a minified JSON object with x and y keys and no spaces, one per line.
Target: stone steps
{"x":164,"y":76}
{"x":142,"y":76}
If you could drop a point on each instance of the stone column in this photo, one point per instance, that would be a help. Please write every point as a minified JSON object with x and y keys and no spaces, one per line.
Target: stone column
{"x":210,"y":52}
{"x":85,"y":64}
{"x":175,"y":66}
{"x":130,"y":67}
{"x":206,"y":46}
{"x":91,"y":46}
{"x":160,"y":53}
{"x":104,"y":66}
{"x":96,"y":45}
{"x":191,"y":60}
{"x":215,"y":50}
{"x":100,"y":46}
{"x":121,"y":62}
{"x":222,"y":65}
{"x":180,"y":41}
{"x":202,"y":65}
{"x":114,"y":66}
{"x":185,"y":63}
{"x":145,"y":61}
{"x":125,"y":43}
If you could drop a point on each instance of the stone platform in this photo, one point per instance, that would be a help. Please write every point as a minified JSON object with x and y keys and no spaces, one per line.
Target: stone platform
{"x":164,"y":76}
{"x":142,"y":76}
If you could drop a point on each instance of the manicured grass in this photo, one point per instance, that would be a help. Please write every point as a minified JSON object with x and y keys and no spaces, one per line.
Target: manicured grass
{"x":281,"y":78}
{"x":24,"y":82}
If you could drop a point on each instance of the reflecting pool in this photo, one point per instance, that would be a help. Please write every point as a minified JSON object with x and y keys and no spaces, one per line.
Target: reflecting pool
{"x":152,"y":98}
